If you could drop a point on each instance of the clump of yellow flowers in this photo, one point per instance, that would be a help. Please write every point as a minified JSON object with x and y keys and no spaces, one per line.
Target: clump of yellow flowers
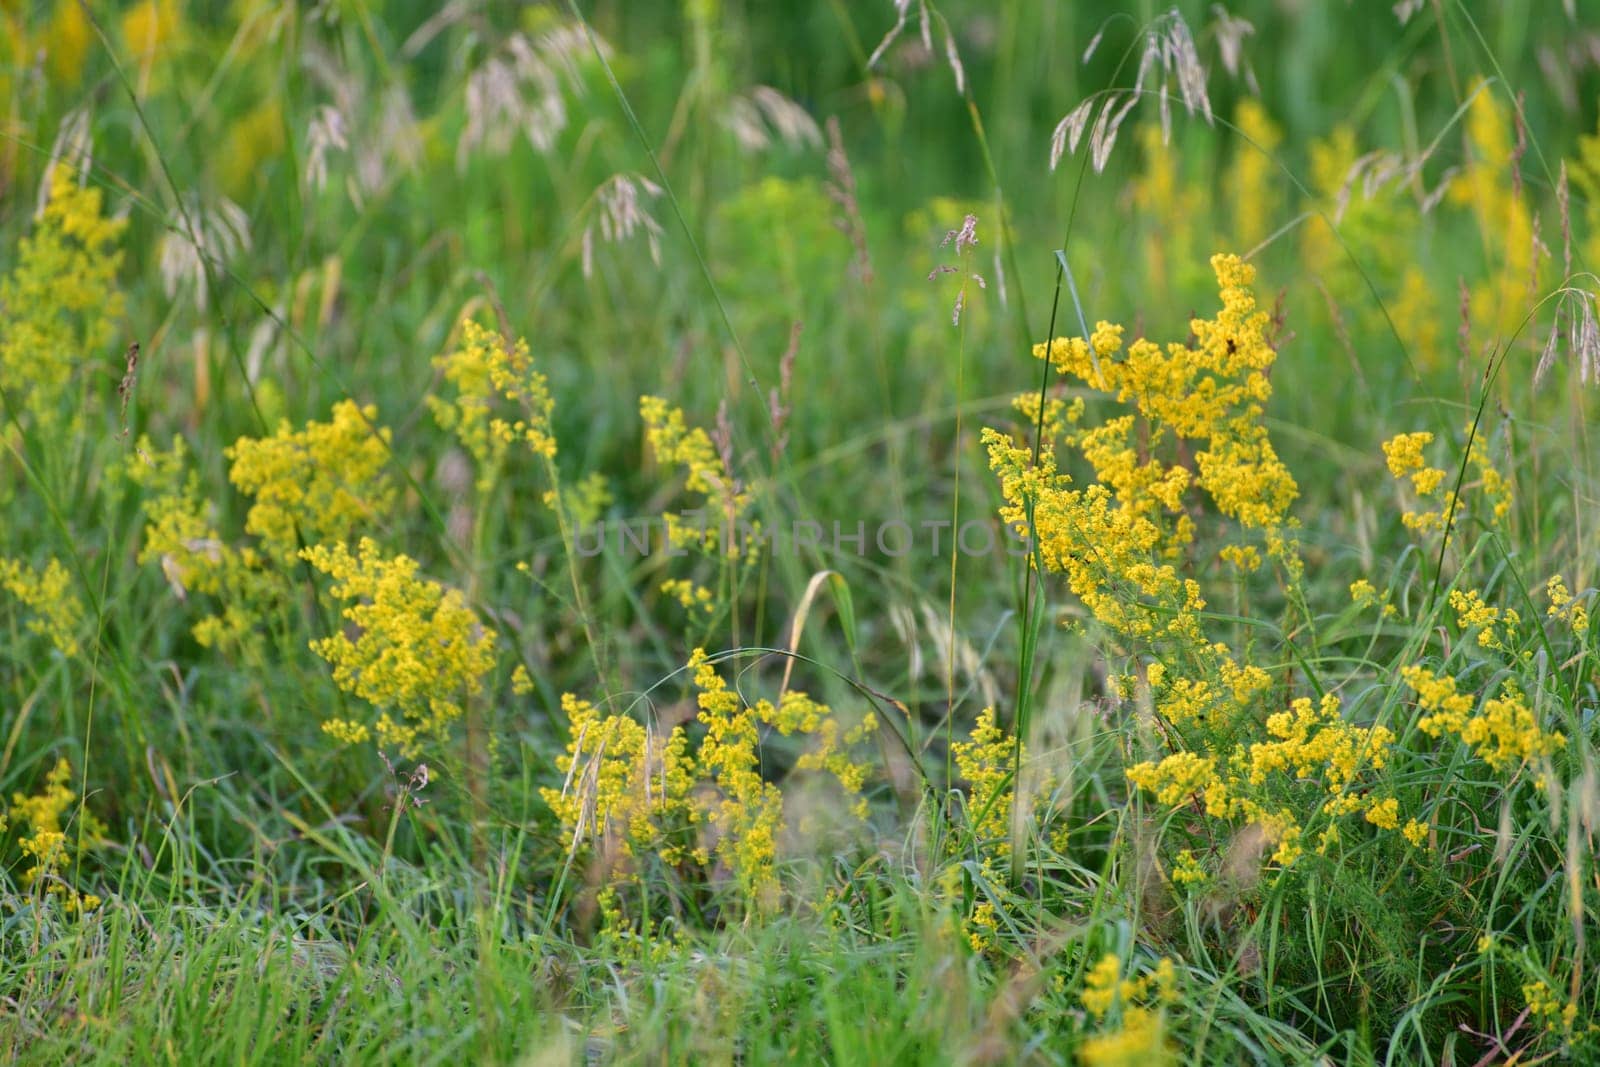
{"x":50,"y":843}
{"x":1503,"y":731}
{"x":706,"y":804}
{"x":1488,"y":187}
{"x":56,"y":610}
{"x":487,"y":370}
{"x":1435,"y":508}
{"x":60,"y":300}
{"x":320,"y":483}
{"x":985,"y":762}
{"x":419,"y":651}
{"x":1124,"y":539}
{"x":1131,"y":1012}
{"x":627,"y":784}
{"x":706,"y":474}
{"x":181,"y":536}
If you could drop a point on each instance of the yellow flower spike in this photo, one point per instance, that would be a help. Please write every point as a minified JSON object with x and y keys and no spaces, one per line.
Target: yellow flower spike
{"x":624,"y":781}
{"x":985,"y":761}
{"x":1138,"y":1036}
{"x":68,"y":41}
{"x":1564,"y":606}
{"x":1252,"y":177}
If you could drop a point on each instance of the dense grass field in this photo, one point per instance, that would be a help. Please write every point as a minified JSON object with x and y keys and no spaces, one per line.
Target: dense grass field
{"x":839,"y":532}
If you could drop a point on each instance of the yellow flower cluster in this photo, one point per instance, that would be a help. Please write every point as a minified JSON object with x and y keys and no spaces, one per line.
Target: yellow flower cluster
{"x":57,"y":611}
{"x":1547,"y":1007}
{"x":67,"y":41}
{"x":60,"y":299}
{"x":192,"y":554}
{"x":418,"y":650}
{"x":1404,"y":456}
{"x":319,"y":484}
{"x":1474,"y":614}
{"x":1365,"y":595}
{"x":1116,"y":538}
{"x":1310,"y":742}
{"x":1211,"y":394}
{"x":150,"y":24}
{"x":48,"y":846}
{"x":1122,"y":539}
{"x":1585,"y":171}
{"x":690,"y":595}
{"x":1140,"y":1038}
{"x":1565,"y":607}
{"x":1503,"y":732}
{"x":985,"y":760}
{"x":485,"y":370}
{"x":627,"y":783}
{"x":587,"y":501}
{"x":1109,"y":553}
{"x":1188,"y":870}
{"x":1403,"y":453}
{"x":749,"y":810}
{"x":690,"y":449}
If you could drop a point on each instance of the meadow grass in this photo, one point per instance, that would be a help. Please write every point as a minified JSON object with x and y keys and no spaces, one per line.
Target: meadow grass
{"x":594,"y":532}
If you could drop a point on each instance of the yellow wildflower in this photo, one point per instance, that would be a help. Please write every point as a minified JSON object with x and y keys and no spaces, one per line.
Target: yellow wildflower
{"x":1564,"y":606}
{"x":1503,"y":732}
{"x":690,"y":595}
{"x":419,"y":649}
{"x":1250,"y":178}
{"x":1188,"y":870}
{"x":690,"y":449}
{"x":67,"y":42}
{"x":1384,"y":814}
{"x":985,"y":760}
{"x":325,"y":481}
{"x":1140,"y":1036}
{"x":749,"y":811}
{"x":1404,"y":452}
{"x":57,"y":611}
{"x":60,"y":299}
{"x":485,"y":370}
{"x":625,"y":782}
{"x":47,"y":844}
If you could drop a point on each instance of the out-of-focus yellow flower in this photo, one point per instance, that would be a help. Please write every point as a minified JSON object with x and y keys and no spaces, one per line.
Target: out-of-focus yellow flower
{"x":151,"y":28}
{"x":57,"y":611}
{"x":67,"y":41}
{"x":61,"y":301}
{"x":1250,"y":178}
